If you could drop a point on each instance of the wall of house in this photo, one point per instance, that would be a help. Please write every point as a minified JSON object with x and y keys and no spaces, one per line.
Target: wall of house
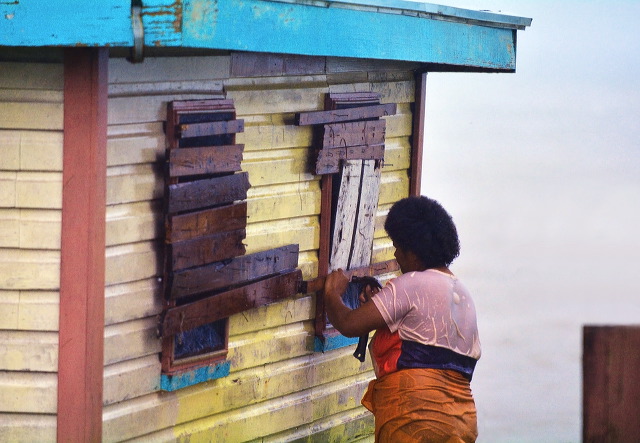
{"x":278,"y":388}
{"x":31,"y":119}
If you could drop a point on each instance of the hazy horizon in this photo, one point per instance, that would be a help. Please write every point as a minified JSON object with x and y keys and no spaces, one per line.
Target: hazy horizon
{"x":541,"y":172}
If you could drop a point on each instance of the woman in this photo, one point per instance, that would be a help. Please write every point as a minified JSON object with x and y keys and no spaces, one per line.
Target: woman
{"x":426,"y":343}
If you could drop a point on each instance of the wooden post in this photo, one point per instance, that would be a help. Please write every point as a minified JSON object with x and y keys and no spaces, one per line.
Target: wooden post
{"x":82,"y":262}
{"x":611,"y":392}
{"x":417,"y":139}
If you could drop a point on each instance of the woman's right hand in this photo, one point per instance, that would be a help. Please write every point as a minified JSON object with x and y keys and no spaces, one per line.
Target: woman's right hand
{"x":336,"y":284}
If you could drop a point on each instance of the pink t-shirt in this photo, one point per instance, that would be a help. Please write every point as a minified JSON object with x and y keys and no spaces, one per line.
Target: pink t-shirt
{"x":432,"y":308}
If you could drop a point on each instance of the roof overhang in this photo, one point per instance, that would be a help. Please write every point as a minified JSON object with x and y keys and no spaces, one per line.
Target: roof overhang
{"x":438,"y":36}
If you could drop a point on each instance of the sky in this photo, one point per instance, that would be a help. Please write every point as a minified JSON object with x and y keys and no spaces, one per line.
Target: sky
{"x":540,"y":169}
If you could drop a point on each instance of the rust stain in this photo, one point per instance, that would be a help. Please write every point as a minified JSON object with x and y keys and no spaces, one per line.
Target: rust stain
{"x":172,"y":10}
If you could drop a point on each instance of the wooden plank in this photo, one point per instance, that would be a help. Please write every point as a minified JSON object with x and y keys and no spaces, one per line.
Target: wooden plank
{"x":352,"y":98}
{"x":208,"y":192}
{"x":328,"y":161}
{"x":346,"y":219}
{"x":366,"y":213}
{"x":354,"y":134}
{"x":131,"y":339}
{"x":241,"y":269}
{"x":255,"y":64}
{"x":205,"y":160}
{"x":204,"y":250}
{"x":24,"y":392}
{"x":223,"y":305}
{"x":82,"y":271}
{"x":207,"y":222}
{"x":611,"y":392}
{"x":210,"y":128}
{"x":28,"y":351}
{"x":344,"y":115}
{"x":417,"y":140}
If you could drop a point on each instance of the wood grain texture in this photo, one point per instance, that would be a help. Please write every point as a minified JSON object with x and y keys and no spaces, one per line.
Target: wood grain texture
{"x":203,"y":250}
{"x":210,"y":128}
{"x":82,"y":273}
{"x":204,"y":160}
{"x":345,"y":115}
{"x":243,"y":269}
{"x":207,"y":192}
{"x":195,"y":224}
{"x":342,"y":135}
{"x":223,"y":305}
{"x":611,"y":393}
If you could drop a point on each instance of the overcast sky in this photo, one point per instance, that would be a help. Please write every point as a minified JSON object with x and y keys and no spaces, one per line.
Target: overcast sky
{"x":541,"y":172}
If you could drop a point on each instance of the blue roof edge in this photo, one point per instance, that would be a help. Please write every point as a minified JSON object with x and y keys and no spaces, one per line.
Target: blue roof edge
{"x":400,"y":30}
{"x":429,"y":10}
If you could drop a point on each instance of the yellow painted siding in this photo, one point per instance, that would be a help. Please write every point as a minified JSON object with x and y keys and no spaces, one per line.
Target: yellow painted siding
{"x":278,"y":388}
{"x":31,"y":115}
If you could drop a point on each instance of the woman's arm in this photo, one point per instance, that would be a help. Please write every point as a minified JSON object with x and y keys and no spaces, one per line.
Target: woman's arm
{"x":350,"y":323}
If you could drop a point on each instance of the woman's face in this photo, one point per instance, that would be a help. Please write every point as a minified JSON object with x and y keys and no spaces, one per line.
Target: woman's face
{"x":406,"y":259}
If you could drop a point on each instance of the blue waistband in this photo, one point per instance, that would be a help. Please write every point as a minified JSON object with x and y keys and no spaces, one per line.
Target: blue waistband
{"x":417,"y":355}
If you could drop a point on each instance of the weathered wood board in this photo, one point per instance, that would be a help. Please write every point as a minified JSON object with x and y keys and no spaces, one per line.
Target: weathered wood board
{"x":245,"y":268}
{"x":223,"y":305}
{"x":208,"y":192}
{"x":204,"y":160}
{"x":195,"y":224}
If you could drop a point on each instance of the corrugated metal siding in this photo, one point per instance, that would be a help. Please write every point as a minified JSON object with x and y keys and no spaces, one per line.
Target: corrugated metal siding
{"x":31,"y":115}
{"x":278,"y":388}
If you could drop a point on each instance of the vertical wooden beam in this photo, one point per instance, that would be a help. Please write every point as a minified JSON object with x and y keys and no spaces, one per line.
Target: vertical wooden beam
{"x":417,"y":139}
{"x":82,"y":262}
{"x":611,"y":392}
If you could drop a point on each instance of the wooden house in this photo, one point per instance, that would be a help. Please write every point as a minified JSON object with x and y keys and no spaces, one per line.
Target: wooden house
{"x":175,"y":180}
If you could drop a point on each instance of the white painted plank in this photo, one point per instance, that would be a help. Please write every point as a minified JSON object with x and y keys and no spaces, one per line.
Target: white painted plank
{"x":28,"y":428}
{"x":129,"y":340}
{"x":28,"y":351}
{"x":23,"y":392}
{"x":367,"y":209}
{"x":134,"y":300}
{"x":131,"y":379}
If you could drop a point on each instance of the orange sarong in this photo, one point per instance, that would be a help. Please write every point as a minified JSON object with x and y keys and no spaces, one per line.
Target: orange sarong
{"x":422,"y":405}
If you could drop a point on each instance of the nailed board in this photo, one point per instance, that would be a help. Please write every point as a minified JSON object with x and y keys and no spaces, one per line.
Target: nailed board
{"x":351,"y":130}
{"x":246,"y":268}
{"x":207,"y":274}
{"x":210,"y":309}
{"x":350,"y":158}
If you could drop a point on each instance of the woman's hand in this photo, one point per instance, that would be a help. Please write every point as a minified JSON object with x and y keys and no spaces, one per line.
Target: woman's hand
{"x":350,"y":323}
{"x":336,"y":284}
{"x":367,"y":292}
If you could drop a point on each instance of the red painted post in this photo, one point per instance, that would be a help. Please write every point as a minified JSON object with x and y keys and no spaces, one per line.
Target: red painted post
{"x":82,"y":263}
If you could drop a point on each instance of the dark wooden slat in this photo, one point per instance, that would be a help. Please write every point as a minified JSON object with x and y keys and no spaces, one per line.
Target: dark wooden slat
{"x":209,"y":192}
{"x":203,"y":250}
{"x":176,"y":108}
{"x":207,"y":222}
{"x":328,"y":161}
{"x":337,"y":100}
{"x":369,"y":152}
{"x":205,"y":160}
{"x":343,"y":115}
{"x":192,"y":315}
{"x":254,"y":64}
{"x":611,"y":392}
{"x":354,"y":134}
{"x":210,"y":128}
{"x":241,"y":269}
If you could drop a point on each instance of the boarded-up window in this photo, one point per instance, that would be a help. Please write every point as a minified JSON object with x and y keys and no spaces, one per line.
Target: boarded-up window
{"x":350,"y":136}
{"x":208,"y":277}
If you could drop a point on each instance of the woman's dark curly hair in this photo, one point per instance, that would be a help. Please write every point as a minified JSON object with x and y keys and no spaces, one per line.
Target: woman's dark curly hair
{"x":421,"y":225}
